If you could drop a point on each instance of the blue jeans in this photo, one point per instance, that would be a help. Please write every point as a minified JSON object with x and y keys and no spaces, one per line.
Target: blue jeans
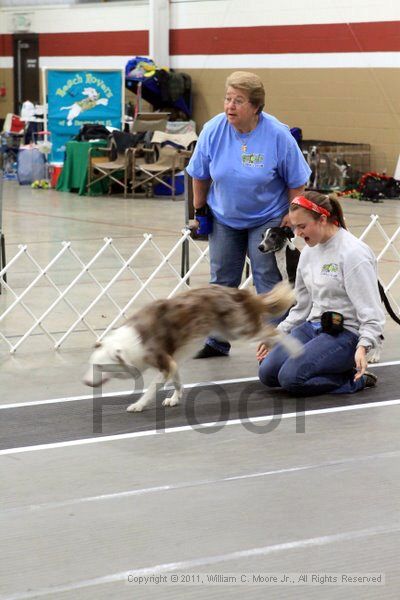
{"x":325,"y":366}
{"x":228,"y":248}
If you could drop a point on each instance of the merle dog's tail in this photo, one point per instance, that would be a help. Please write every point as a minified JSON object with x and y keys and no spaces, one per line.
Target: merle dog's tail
{"x":278,"y":300}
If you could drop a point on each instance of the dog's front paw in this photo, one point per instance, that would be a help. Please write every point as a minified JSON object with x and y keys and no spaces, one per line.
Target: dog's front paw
{"x":173,"y":401}
{"x":135,"y":407}
{"x":374,"y":357}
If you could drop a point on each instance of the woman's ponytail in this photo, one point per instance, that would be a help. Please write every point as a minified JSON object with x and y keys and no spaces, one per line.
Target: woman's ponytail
{"x":336,"y":211}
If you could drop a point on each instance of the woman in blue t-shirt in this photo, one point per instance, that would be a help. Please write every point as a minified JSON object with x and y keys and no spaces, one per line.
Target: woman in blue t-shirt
{"x":246,"y":168}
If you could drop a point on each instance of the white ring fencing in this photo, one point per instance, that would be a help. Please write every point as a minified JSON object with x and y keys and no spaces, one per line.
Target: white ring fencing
{"x":90,"y":295}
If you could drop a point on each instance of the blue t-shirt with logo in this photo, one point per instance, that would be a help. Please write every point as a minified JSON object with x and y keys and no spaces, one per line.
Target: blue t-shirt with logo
{"x":250,"y":173}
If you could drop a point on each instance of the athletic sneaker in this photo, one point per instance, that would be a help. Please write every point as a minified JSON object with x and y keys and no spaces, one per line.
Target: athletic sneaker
{"x":370,"y":379}
{"x":209,"y":352}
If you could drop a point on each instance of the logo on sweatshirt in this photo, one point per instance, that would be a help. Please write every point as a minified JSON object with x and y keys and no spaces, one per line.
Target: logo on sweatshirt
{"x":330,"y":270}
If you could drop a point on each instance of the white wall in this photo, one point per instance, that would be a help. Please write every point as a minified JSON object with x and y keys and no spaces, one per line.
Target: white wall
{"x":85,"y":17}
{"x":237,"y":13}
{"x":210,"y":13}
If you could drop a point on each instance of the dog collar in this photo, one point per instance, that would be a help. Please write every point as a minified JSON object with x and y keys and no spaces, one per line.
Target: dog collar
{"x":309,"y":205}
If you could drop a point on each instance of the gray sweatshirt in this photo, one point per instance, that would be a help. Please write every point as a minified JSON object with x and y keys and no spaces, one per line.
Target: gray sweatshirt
{"x":339,"y":275}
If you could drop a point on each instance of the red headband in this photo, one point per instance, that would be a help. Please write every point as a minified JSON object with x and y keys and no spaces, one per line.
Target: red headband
{"x":309,"y":205}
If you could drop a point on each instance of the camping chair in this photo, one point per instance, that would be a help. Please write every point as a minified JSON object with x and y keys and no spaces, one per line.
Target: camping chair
{"x":117,"y":161}
{"x":172,"y":152}
{"x":151,"y":121}
{"x":14,"y":125}
{"x":11,"y":137}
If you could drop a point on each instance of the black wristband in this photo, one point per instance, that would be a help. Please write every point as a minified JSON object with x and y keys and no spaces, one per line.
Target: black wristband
{"x":201,"y":212}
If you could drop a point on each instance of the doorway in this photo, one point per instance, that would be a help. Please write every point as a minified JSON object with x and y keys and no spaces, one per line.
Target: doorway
{"x":26,"y":69}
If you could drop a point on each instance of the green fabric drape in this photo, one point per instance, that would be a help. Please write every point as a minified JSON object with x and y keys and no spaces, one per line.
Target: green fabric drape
{"x":74,"y":175}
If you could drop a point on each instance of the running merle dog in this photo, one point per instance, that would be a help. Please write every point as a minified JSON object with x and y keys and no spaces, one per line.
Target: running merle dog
{"x":163,"y":333}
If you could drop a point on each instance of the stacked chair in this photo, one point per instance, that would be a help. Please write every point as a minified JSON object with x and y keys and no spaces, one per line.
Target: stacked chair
{"x":115,"y":164}
{"x":123,"y":150}
{"x":11,"y":138}
{"x":150,"y":121}
{"x":168,"y":155}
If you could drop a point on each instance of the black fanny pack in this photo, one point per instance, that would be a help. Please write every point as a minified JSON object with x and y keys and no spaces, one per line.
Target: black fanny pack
{"x":332,"y":322}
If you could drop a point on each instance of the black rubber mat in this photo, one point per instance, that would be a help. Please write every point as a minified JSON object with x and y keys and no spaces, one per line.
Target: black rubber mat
{"x":63,"y":421}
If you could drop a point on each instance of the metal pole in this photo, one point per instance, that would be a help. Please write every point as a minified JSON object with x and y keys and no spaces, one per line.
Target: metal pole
{"x":188,"y":200}
{"x":2,"y":238}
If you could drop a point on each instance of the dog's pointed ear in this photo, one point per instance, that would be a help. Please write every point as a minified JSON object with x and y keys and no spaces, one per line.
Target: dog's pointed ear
{"x":121,"y":356}
{"x":288,"y":231}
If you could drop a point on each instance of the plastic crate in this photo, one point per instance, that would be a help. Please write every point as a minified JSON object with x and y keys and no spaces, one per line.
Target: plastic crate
{"x":162,"y":190}
{"x":336,"y":164}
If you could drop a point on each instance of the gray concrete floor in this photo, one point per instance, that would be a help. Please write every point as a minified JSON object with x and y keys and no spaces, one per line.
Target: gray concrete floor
{"x":76,"y":519}
{"x":43,"y":219}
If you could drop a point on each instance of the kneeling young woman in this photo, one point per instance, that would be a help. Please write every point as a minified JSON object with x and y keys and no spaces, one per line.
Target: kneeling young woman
{"x":338,"y":316}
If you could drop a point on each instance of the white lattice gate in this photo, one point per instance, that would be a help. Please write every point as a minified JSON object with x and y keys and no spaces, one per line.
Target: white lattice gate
{"x":96,"y":293}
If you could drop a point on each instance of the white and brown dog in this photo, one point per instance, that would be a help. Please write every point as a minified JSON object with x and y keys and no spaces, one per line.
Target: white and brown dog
{"x":92,"y":99}
{"x":278,"y":240}
{"x":161,"y":334}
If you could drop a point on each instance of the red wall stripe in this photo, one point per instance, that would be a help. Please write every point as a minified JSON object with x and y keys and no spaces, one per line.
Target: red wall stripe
{"x":95,"y":43}
{"x":6,"y":45}
{"x":285,"y":39}
{"x":288,"y":39}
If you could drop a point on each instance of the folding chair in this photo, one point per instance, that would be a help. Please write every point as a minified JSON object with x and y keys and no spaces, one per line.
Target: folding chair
{"x":116,"y":162}
{"x":12,"y":136}
{"x":172,"y":152}
{"x":14,"y":125}
{"x":151,"y":121}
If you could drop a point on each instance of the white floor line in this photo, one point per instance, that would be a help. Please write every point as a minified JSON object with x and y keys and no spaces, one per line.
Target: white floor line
{"x":206,"y":560}
{"x":130,"y":392}
{"x":192,"y":484}
{"x":182,"y":428}
{"x":384,"y":364}
{"x":121,"y":394}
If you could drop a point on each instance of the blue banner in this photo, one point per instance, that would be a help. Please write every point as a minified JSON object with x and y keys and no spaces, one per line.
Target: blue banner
{"x":78,"y":97}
